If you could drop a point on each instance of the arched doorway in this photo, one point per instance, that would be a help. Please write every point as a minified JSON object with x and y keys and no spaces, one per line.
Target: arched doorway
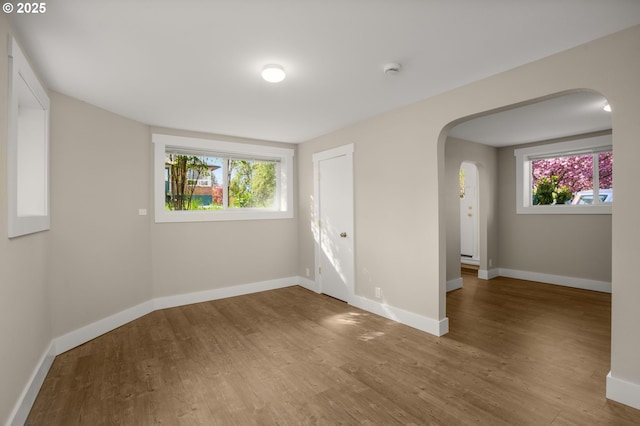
{"x":526,"y":246}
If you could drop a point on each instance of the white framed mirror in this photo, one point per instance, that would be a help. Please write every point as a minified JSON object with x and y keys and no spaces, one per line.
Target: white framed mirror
{"x":28,"y":148}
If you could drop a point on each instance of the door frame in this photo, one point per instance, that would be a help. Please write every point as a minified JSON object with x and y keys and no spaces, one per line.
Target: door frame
{"x":345,"y":150}
{"x":475,"y":255}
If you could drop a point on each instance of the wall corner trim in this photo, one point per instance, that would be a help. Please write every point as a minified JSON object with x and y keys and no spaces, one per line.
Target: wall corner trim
{"x":623,"y":392}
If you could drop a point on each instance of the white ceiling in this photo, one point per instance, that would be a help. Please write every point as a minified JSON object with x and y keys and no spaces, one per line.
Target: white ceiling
{"x":566,"y":115}
{"x":196,"y":65}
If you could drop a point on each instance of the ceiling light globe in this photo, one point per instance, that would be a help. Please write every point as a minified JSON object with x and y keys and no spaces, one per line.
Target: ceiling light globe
{"x":273,"y":73}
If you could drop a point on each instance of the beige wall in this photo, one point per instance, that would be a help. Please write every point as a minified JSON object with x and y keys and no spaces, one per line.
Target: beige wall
{"x":214,"y":255}
{"x":100,"y":257}
{"x":393,"y":187}
{"x":401,"y":246}
{"x":486,"y":160}
{"x":105,"y":257}
{"x":221,"y":254}
{"x":568,"y":245}
{"x":25,"y":329}
{"x":101,"y":261}
{"x":577,"y":246}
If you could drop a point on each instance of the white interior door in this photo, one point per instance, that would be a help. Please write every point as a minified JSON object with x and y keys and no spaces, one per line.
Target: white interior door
{"x":469,"y":212}
{"x":334,"y":213}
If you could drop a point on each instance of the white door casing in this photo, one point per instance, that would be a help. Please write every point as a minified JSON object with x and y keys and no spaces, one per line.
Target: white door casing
{"x":334,"y":222}
{"x":469,"y":247}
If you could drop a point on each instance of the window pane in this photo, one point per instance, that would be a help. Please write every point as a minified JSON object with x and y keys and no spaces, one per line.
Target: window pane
{"x":557,"y":180}
{"x":605,"y":169}
{"x":192,"y":182}
{"x":252,"y":184}
{"x":201,"y":180}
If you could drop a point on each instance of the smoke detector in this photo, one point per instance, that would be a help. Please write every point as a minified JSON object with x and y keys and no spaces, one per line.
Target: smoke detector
{"x":392,"y":68}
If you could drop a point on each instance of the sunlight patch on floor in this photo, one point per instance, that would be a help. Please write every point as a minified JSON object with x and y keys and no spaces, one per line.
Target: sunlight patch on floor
{"x":370,"y":335}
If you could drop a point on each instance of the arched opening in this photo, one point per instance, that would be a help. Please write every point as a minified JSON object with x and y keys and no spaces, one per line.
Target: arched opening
{"x":566,"y":245}
{"x":570,"y":248}
{"x":464,"y":217}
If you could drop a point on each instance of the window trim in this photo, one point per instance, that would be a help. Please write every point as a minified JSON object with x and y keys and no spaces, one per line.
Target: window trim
{"x":212,"y":147}
{"x":573,"y":147}
{"x":23,"y":224}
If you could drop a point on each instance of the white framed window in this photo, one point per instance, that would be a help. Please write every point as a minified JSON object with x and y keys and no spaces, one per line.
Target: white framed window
{"x":27,"y":148}
{"x":199,"y":180}
{"x":573,"y":177}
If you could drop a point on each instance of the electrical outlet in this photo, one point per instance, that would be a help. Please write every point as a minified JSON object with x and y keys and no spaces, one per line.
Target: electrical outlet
{"x":490,"y":262}
{"x":378,"y":293}
{"x":308,"y":272}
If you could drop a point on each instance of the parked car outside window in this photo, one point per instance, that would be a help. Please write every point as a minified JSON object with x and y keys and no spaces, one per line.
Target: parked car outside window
{"x":586,"y":197}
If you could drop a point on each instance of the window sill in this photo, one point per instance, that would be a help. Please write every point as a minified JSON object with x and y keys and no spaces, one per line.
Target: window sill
{"x":566,"y":209}
{"x":224,"y":215}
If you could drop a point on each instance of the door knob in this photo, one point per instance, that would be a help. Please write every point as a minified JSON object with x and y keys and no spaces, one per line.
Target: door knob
{"x":343,"y":234}
{"x":469,"y":214}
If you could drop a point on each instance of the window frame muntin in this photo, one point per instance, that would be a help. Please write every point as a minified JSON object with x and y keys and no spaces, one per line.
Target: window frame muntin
{"x":578,"y":146}
{"x":212,"y":148}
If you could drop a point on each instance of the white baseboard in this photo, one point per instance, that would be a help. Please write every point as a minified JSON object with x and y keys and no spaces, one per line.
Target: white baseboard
{"x":89,"y":332}
{"x":425,"y":324}
{"x":84,"y":334}
{"x":428,"y":325}
{"x":30,"y":392}
{"x":623,"y":392}
{"x":583,"y":283}
{"x":602,"y":286}
{"x":617,"y":389}
{"x":100,"y":327}
{"x":222,"y":293}
{"x":308,"y":284}
{"x":485,"y":274}
{"x":454,"y":284}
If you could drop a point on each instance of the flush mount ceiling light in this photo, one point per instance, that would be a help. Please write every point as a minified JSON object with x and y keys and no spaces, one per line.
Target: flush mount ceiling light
{"x":273,"y":73}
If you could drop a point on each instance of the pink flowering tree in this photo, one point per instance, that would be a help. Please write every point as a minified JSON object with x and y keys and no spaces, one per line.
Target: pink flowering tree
{"x":572,"y":174}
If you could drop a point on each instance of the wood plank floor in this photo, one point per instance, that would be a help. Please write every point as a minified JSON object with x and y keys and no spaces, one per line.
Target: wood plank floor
{"x":519,"y":353}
